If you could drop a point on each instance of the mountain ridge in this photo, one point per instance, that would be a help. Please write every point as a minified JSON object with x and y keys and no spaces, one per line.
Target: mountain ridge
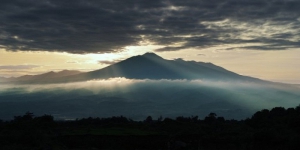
{"x":49,"y":75}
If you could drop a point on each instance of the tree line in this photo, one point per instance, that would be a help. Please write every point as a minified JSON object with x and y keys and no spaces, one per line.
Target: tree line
{"x":277,"y":128}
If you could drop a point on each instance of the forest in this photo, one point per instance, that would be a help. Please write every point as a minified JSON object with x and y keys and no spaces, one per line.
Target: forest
{"x":277,"y":128}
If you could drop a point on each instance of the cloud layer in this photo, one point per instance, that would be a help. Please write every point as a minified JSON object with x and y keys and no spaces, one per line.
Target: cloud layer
{"x":138,"y":99}
{"x":107,"y":26}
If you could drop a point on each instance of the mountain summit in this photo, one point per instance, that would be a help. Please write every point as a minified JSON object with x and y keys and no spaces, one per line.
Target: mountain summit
{"x":152,"y":66}
{"x":151,"y":56}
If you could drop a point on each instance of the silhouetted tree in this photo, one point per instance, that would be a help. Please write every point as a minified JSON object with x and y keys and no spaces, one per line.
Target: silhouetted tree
{"x":277,"y":112}
{"x":45,"y":118}
{"x":220,"y":119}
{"x":211,"y":117}
{"x":168,"y":120}
{"x":195,"y":118}
{"x":160,"y":118}
{"x":298,"y":108}
{"x":148,"y":119}
{"x":28,"y":116}
{"x":182,"y":119}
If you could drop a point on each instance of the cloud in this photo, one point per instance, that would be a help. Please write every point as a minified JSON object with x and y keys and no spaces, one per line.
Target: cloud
{"x":72,"y":62}
{"x":107,"y":62}
{"x":168,"y":48}
{"x":18,"y":67}
{"x":109,"y":26}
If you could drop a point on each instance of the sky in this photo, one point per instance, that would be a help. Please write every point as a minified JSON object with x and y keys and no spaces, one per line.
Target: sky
{"x":258,"y":38}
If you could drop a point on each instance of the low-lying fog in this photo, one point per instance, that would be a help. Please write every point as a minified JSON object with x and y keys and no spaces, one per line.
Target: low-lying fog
{"x":137,"y":99}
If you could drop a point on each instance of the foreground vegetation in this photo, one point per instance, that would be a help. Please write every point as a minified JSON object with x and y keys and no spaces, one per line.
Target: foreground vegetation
{"x":278,"y":128}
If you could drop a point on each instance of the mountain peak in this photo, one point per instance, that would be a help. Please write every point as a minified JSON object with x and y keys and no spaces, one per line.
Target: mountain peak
{"x":151,"y":55}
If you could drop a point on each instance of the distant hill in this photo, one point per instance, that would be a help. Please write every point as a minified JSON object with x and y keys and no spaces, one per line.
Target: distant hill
{"x":2,"y":79}
{"x":147,"y":66}
{"x":42,"y":77}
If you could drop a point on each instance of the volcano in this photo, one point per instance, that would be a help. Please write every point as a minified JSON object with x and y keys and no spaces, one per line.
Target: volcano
{"x":148,"y":66}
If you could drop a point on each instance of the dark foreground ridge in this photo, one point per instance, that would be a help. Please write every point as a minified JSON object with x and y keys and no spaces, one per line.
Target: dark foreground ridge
{"x":278,"y":128}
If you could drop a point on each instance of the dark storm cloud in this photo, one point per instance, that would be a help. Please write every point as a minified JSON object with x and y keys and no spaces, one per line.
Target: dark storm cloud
{"x":92,"y":26}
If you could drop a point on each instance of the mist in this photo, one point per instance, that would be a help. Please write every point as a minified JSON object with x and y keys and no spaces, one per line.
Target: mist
{"x":137,"y":99}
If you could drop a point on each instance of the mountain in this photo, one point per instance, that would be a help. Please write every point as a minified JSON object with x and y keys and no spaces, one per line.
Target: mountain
{"x":147,"y":66}
{"x":43,"y":77}
{"x":151,"y":66}
{"x":3,"y":79}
